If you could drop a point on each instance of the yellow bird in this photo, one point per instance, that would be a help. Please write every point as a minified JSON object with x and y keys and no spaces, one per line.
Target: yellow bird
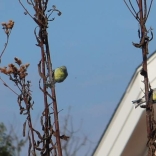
{"x":59,"y":74}
{"x":154,"y":95}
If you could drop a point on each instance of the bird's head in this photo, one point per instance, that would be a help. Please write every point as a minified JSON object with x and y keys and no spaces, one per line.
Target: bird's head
{"x":63,"y":68}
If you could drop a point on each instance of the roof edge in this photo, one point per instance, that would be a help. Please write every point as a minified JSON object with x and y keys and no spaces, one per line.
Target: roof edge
{"x":127,"y":88}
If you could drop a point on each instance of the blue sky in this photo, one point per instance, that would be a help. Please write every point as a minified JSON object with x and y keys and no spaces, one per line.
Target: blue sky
{"x":94,"y":40}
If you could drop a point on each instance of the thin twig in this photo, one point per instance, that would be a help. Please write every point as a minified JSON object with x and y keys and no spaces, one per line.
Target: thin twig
{"x":137,"y":2}
{"x":131,"y":11}
{"x":132,"y":7}
{"x":31,"y":3}
{"x":8,"y":86}
{"x":149,"y":10}
{"x":5,"y":46}
{"x":25,"y":9}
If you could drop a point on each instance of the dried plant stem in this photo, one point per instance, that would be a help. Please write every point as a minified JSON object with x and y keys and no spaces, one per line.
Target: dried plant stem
{"x":41,"y":18}
{"x":45,"y":100}
{"x":32,"y":132}
{"x":56,"y":123}
{"x":150,"y":122}
{"x":141,"y":17}
{"x":149,"y":106}
{"x":144,"y":65}
{"x":54,"y":101}
{"x":5,"y":46}
{"x":8,"y":86}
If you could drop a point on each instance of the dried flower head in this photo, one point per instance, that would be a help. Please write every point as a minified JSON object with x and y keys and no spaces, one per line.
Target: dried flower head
{"x":23,"y":75}
{"x":7,"y":26}
{"x":11,"y":65}
{"x":3,"y":70}
{"x":18,"y":61}
{"x":22,"y":69}
{"x":17,"y":72}
{"x":3,"y":24}
{"x":10,"y":24}
{"x":10,"y":71}
{"x":27,"y":65}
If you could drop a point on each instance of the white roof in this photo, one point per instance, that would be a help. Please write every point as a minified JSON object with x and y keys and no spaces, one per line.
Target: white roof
{"x":125,"y":134}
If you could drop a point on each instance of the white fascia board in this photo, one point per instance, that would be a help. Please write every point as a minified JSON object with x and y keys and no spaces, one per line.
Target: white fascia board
{"x":126,"y":117}
{"x":111,"y":143}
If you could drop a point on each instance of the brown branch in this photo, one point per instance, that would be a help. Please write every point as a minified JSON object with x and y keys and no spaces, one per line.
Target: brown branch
{"x":54,"y":101}
{"x":41,"y":20}
{"x":145,"y":10}
{"x":45,"y":98}
{"x":150,"y":122}
{"x":144,"y":54}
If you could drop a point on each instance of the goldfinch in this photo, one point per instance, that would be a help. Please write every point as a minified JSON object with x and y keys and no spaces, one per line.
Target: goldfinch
{"x":59,"y":74}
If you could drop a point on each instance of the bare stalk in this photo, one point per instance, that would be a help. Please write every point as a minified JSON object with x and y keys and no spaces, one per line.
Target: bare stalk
{"x":42,"y":19}
{"x":141,"y":17}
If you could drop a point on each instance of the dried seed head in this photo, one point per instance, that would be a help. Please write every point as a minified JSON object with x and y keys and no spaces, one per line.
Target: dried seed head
{"x":3,"y":70}
{"x":22,"y":70}
{"x":18,"y":61}
{"x":15,"y":70}
{"x":10,"y":21}
{"x":23,"y":75}
{"x":27,"y":65}
{"x":3,"y":24}
{"x":11,"y":65}
{"x":10,"y":24}
{"x":10,"y":71}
